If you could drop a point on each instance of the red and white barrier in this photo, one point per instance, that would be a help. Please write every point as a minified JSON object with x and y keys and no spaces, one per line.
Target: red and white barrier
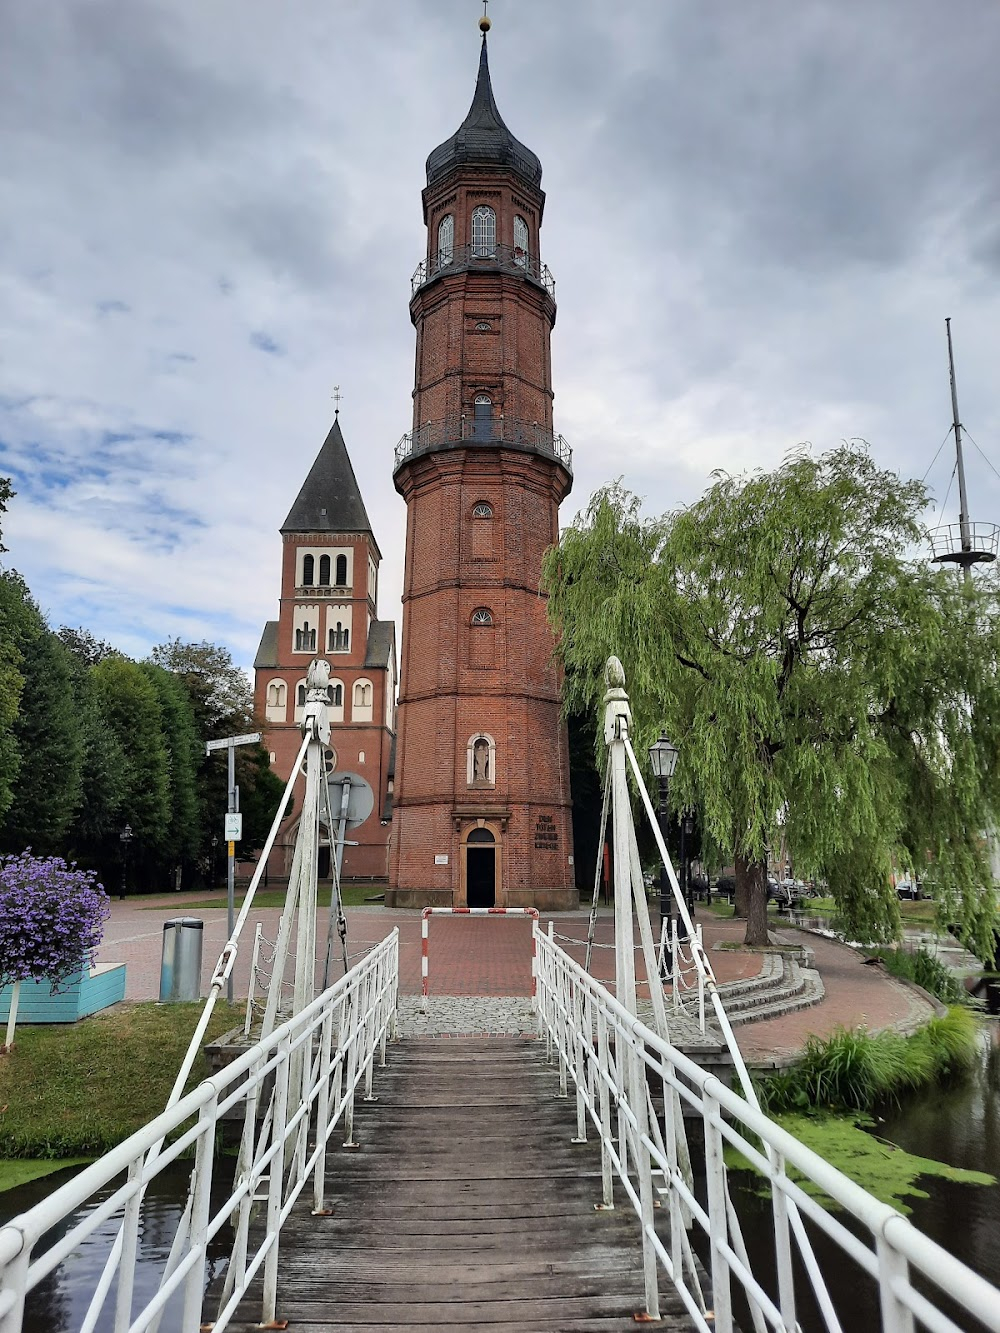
{"x":428,"y":912}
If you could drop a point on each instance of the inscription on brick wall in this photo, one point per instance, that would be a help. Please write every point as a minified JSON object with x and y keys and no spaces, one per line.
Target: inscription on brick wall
{"x":546,"y":834}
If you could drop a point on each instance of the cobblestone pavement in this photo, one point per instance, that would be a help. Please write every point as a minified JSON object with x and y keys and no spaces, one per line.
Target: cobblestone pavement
{"x":490,"y":959}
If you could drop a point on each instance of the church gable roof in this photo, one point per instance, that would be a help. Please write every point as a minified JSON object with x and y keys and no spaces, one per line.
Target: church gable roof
{"x":381,"y":643}
{"x":267,"y":653}
{"x":329,"y":500}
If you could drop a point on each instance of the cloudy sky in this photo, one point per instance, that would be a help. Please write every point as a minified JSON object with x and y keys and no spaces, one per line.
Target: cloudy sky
{"x":759,"y":214}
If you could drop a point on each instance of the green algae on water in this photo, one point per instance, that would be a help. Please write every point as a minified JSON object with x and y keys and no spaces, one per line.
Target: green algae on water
{"x":888,"y":1172}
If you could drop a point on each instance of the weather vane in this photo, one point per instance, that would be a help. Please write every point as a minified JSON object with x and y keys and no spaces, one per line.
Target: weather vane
{"x":484,"y":22}
{"x":336,"y":400}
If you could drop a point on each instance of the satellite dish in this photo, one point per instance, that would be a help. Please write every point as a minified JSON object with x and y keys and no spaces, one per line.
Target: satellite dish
{"x":360,"y":800}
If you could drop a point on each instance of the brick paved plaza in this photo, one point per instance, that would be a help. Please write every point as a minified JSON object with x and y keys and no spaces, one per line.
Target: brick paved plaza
{"x":491,"y":957}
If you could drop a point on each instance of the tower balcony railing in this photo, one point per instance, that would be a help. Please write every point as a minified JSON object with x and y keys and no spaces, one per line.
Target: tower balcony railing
{"x":452,"y":432}
{"x":505,"y":258}
{"x":947,"y":544}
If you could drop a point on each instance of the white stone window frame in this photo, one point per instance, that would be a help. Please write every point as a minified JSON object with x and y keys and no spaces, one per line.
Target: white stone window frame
{"x":470,"y":761}
{"x":305,"y":623}
{"x":522,"y":238}
{"x":301,"y":690}
{"x":335,"y":711}
{"x":278,"y":710}
{"x":362,"y":712}
{"x":446,"y":240}
{"x":484,"y":232}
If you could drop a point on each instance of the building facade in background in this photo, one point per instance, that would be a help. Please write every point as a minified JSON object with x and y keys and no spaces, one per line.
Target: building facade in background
{"x":328,"y":608}
{"x":482,"y":798}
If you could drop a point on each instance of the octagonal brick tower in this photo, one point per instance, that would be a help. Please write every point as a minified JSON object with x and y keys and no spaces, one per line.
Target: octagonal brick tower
{"x":481,"y":795}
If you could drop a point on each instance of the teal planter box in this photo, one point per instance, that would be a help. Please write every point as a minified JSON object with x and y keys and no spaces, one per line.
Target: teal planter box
{"x":84,"y":994}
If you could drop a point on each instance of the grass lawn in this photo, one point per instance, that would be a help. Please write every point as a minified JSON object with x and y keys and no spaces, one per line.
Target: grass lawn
{"x":78,"y":1089}
{"x":22,"y":1172}
{"x":354,"y":895}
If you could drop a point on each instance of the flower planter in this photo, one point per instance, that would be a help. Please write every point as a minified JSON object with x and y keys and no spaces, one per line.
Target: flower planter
{"x":83,"y":994}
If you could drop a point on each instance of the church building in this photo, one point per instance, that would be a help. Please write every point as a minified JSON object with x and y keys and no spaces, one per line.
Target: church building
{"x":328,"y":608}
{"x":482,"y":799}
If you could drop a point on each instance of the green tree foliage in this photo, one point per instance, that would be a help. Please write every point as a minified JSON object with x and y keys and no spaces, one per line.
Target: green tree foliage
{"x":130,"y":709}
{"x":220,"y":692}
{"x":180,"y":838}
{"x":818,"y":675}
{"x":45,"y":730}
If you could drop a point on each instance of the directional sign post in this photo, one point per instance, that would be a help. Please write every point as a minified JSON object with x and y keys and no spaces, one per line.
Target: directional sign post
{"x":234,"y":825}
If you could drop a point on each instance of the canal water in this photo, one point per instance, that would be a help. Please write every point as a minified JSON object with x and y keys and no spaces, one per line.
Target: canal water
{"x":58,"y":1304}
{"x":959,"y":1124}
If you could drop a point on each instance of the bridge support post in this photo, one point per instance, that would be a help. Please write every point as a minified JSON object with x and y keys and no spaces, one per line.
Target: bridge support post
{"x":718,"y":1213}
{"x":276,"y":1172}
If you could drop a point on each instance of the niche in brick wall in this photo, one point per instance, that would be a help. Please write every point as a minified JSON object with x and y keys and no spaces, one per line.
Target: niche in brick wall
{"x":481,"y":532}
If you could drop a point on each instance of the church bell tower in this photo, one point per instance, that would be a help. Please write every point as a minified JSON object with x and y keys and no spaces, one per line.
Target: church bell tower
{"x":481,"y":796}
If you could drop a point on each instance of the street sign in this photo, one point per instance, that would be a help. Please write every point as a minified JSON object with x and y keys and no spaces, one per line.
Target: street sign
{"x":360,"y":801}
{"x":250,"y":738}
{"x":234,"y":828}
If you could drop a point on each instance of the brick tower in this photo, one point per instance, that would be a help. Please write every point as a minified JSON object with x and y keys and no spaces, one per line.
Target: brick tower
{"x":482,"y":805}
{"x":328,"y":608}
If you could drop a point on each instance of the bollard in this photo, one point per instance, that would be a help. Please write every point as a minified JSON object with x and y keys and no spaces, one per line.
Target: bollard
{"x":180,"y":964}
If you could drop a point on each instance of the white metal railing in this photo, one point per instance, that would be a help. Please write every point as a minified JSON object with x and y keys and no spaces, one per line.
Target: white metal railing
{"x":293,"y":1089}
{"x":611,"y":1057}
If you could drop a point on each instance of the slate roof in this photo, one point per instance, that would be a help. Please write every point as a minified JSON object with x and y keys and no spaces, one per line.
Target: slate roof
{"x":381,"y":641}
{"x":267,"y":653}
{"x":483,"y":139}
{"x":329,"y":500}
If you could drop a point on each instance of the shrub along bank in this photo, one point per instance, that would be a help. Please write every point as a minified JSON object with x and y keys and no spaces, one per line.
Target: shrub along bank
{"x":854,"y":1071}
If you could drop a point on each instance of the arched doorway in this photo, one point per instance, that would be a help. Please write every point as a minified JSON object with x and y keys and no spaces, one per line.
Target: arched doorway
{"x":480,"y":868}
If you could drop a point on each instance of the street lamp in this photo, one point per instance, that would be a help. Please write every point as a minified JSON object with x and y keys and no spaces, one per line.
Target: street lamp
{"x":215,"y":843}
{"x":663,"y":760}
{"x":125,"y":838}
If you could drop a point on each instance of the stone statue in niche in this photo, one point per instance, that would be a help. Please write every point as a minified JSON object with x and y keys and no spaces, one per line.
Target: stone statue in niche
{"x":481,"y":761}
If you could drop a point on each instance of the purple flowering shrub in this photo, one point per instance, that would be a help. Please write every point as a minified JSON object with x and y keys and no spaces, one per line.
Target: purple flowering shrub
{"x":52,"y":918}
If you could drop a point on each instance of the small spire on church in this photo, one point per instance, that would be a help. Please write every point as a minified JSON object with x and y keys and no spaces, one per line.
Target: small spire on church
{"x":336,"y":400}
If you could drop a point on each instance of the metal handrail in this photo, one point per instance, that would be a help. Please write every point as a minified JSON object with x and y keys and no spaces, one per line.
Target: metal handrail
{"x":310,"y":1068}
{"x":529,"y":436}
{"x":946,"y":541}
{"x":612,"y":1058}
{"x":498,"y":258}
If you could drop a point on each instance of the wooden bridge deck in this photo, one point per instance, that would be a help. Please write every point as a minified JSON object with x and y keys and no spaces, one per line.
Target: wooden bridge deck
{"x":466,"y":1207}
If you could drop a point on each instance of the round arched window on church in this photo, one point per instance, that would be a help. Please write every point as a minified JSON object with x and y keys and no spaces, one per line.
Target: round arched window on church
{"x":482,"y":616}
{"x":484,"y":232}
{"x":483,"y":510}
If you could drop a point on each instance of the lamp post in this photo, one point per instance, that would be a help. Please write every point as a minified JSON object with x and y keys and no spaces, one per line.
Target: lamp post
{"x":215,"y":843}
{"x":125,"y":837}
{"x":663,"y":760}
{"x":687,"y":829}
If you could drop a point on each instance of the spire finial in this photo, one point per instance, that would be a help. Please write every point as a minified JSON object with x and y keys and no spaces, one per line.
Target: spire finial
{"x":484,"y":22}
{"x":336,"y":400}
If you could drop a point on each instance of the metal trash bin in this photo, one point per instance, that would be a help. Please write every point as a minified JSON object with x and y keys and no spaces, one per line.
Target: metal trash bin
{"x":180,"y":964}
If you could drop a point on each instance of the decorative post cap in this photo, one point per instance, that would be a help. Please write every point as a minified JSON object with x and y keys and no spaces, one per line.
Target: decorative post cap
{"x":617,"y":714}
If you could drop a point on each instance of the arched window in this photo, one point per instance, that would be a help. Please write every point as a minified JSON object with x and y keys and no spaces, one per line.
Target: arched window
{"x":484,"y":232}
{"x":300,"y":695}
{"x":305,"y":638}
{"x":308,"y":566}
{"x":339,"y":638}
{"x":276,"y":694}
{"x":341,"y":571}
{"x":482,"y":616}
{"x":483,"y":510}
{"x":335,"y":695}
{"x":324,"y":570}
{"x":362,"y":694}
{"x":446,"y":241}
{"x":482,"y":417}
{"x":520,"y":242}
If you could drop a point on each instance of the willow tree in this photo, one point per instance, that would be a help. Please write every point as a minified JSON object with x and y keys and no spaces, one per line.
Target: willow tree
{"x":823,"y":682}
